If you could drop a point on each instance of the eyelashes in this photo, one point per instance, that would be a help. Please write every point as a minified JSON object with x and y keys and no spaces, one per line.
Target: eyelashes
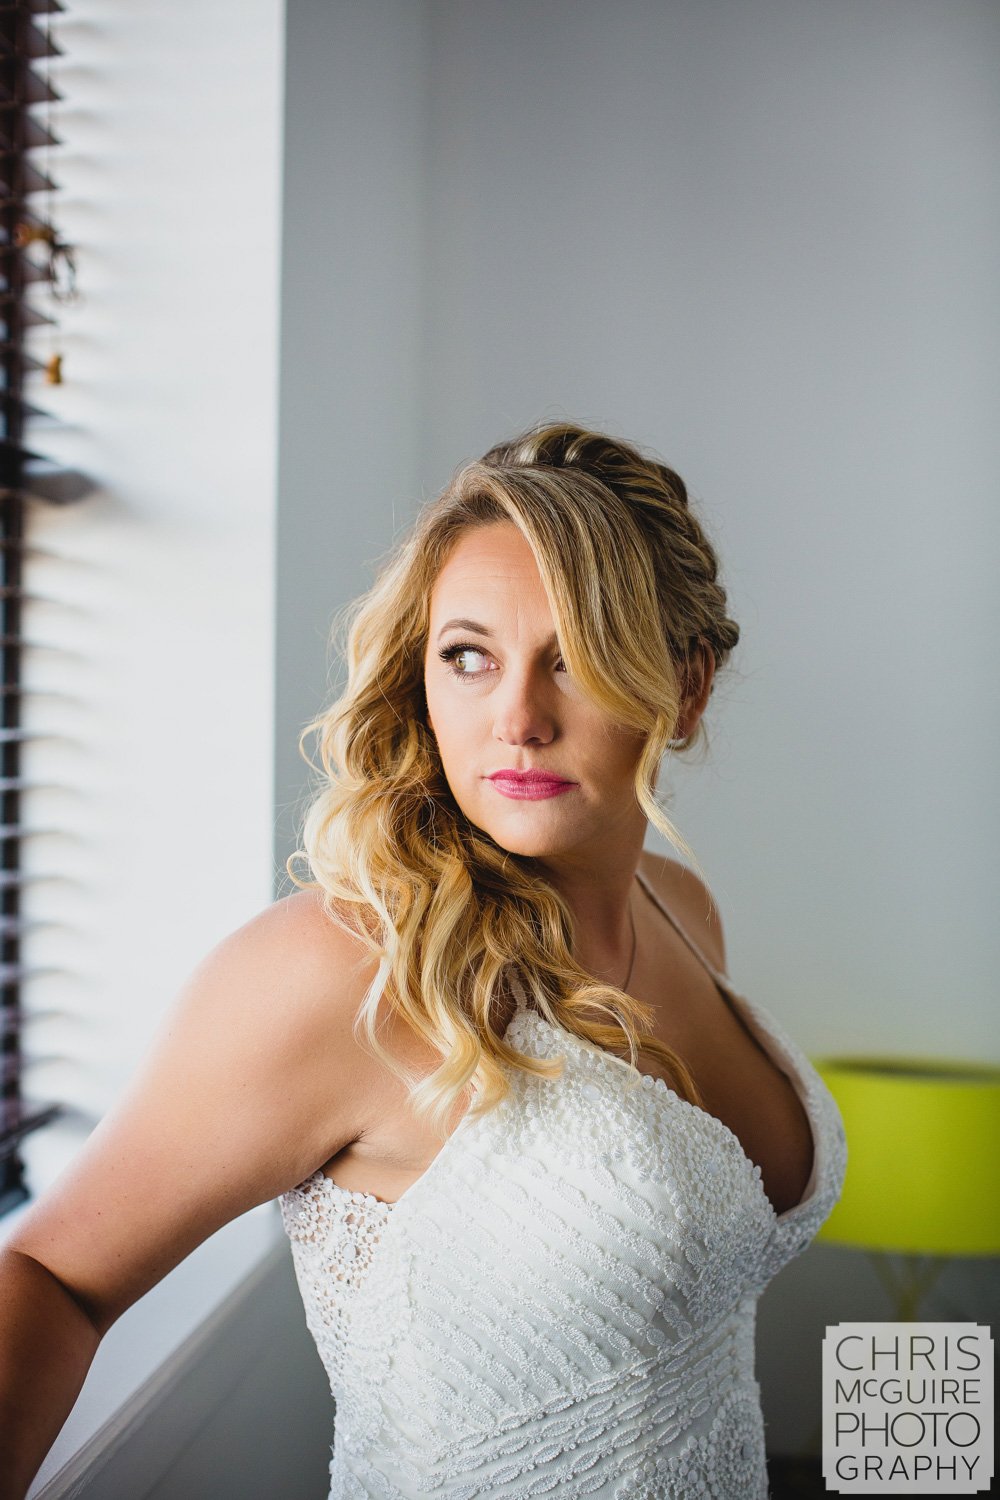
{"x":449,"y":653}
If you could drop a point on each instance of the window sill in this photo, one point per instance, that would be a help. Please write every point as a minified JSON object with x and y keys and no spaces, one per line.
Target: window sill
{"x":146,"y":1337}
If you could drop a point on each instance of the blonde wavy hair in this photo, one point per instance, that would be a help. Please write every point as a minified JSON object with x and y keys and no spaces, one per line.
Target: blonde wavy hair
{"x":450,"y":914}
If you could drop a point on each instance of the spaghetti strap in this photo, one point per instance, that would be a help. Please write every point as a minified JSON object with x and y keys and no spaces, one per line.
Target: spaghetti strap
{"x":520,"y":993}
{"x":716,"y":974}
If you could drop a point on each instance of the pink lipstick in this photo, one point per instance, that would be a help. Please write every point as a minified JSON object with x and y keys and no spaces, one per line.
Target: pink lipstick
{"x":529,"y":786}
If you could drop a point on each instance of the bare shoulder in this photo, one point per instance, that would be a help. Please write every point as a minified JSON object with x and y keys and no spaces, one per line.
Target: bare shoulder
{"x":254,"y":1079}
{"x":305,"y":939}
{"x":690,"y":901}
{"x":291,"y":978}
{"x":280,"y":995}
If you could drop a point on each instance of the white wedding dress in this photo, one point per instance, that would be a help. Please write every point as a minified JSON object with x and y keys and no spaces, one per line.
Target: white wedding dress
{"x":564,"y":1303}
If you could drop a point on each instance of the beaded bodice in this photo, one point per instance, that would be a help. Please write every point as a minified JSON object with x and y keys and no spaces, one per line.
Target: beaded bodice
{"x":565,"y":1301}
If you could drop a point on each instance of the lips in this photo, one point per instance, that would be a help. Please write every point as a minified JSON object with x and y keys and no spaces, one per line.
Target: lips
{"x":530,"y":778}
{"x":530,"y":786}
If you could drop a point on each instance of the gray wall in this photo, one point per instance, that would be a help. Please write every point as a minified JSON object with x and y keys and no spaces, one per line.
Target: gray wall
{"x":761,"y":237}
{"x":350,"y":400}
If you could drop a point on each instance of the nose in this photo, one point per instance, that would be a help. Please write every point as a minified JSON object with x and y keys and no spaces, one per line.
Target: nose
{"x":523,"y":709}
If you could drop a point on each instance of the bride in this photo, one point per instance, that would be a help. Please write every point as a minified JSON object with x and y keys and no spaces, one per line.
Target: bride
{"x":536,"y":1157}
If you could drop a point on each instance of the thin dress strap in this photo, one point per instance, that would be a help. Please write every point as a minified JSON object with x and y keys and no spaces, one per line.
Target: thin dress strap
{"x":716,"y":974}
{"x":520,"y":993}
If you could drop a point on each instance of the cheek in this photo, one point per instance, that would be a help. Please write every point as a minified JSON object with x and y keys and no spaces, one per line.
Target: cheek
{"x":445,"y":725}
{"x":435,"y":712}
{"x":621,"y":753}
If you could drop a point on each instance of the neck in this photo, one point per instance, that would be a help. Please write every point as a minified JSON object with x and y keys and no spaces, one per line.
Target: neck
{"x":606,"y":937}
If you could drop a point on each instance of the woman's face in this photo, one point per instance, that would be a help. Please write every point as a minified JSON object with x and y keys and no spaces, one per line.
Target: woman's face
{"x":503,"y":700}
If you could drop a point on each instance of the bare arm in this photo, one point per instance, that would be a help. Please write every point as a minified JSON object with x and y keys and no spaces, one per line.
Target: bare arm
{"x":254,"y":1081}
{"x":47,"y":1348}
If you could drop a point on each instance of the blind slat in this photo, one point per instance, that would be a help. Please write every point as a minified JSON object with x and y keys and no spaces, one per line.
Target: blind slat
{"x":33,"y":43}
{"x":34,"y":181}
{"x":16,"y":1131}
{"x":35,"y":134}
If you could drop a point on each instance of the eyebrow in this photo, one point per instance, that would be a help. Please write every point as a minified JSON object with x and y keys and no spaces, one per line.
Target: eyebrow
{"x":478,"y":629}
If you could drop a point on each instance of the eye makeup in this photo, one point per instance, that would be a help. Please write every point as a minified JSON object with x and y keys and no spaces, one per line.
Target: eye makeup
{"x":449,"y":653}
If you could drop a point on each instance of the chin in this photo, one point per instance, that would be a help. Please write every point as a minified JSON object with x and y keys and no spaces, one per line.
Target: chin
{"x":526,"y":849}
{"x":527,"y":844}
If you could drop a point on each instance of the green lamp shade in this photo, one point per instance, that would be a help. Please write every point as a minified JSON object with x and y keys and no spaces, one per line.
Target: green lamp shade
{"x":923,"y":1155}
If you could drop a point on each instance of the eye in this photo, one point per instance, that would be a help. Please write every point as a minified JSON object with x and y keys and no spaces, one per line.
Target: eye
{"x":461,"y":648}
{"x":450,"y":653}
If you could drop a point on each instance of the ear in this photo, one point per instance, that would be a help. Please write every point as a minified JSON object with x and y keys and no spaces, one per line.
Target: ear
{"x":698,"y":686}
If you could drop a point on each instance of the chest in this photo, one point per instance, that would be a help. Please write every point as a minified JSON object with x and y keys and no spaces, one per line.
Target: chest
{"x":740,"y":1081}
{"x":740,"y":1084}
{"x":570,"y":1256}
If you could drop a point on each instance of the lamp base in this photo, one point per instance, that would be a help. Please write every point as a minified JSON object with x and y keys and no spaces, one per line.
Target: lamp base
{"x":908,"y":1284}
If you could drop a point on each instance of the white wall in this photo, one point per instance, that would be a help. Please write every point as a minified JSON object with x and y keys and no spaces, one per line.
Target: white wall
{"x":152,"y":679}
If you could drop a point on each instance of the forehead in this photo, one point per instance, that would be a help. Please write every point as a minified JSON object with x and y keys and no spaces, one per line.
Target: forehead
{"x":489,"y":562}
